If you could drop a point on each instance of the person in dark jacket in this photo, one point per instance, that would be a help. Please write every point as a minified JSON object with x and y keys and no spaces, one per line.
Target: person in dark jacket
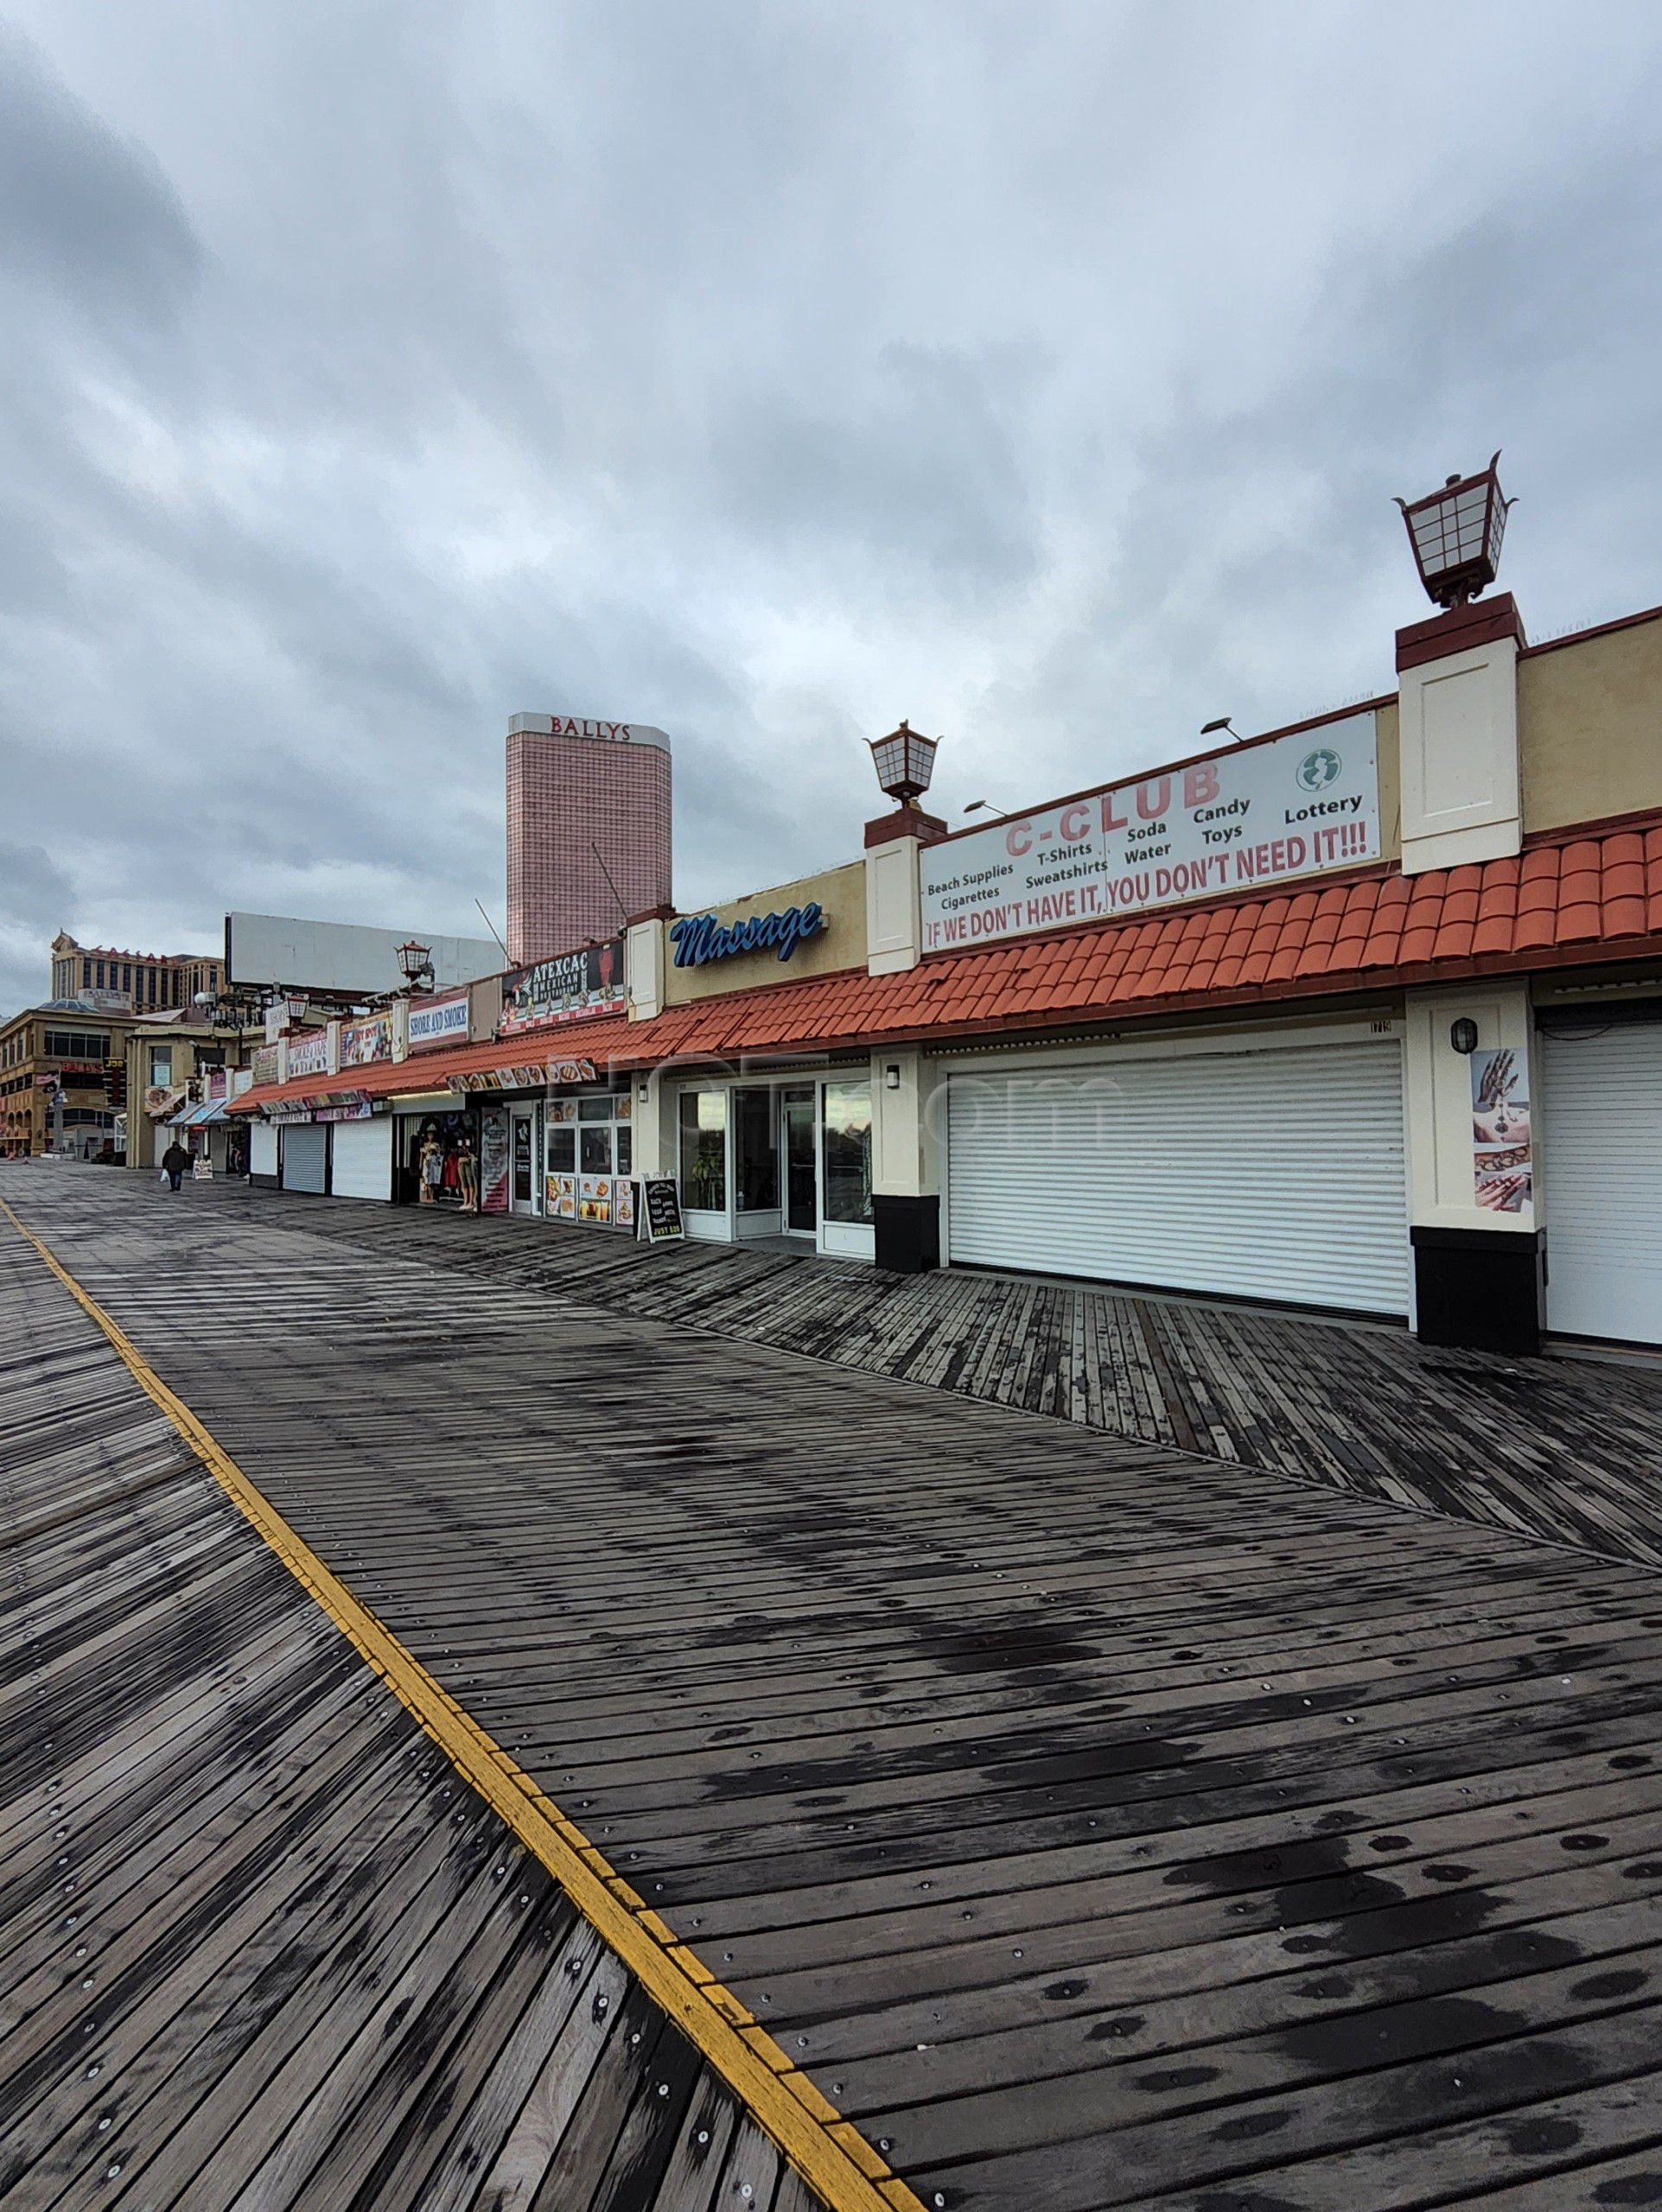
{"x":174,"y":1160}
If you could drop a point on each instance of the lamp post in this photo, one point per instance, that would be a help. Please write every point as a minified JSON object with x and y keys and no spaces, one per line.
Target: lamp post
{"x":1455,"y":534}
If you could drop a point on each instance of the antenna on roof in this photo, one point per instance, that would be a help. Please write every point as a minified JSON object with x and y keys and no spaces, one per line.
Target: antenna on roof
{"x":492,"y":927}
{"x":622,"y":911}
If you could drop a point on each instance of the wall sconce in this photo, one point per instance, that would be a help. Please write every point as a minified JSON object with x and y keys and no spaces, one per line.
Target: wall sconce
{"x":1462,"y":1034}
{"x":891,"y":1078}
{"x":643,"y":1091}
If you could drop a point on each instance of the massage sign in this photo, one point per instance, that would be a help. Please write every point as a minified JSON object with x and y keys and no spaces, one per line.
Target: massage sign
{"x":699,"y":938}
{"x":1266,"y":813}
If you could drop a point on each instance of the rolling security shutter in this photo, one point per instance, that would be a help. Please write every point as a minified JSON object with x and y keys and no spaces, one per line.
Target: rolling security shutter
{"x":362,"y":1163}
{"x":1602,"y":1132}
{"x":1274,"y":1175}
{"x":263,"y":1148}
{"x":305,"y":1156}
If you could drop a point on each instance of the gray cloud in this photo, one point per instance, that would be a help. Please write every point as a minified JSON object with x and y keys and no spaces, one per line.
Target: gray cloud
{"x":374,"y":373}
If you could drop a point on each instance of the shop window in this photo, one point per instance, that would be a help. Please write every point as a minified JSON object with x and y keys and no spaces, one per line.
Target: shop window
{"x":562,"y":1139}
{"x":162,"y":1067}
{"x":625,"y":1147}
{"x":847,"y":1152}
{"x":595,"y":1146}
{"x":758,"y":1147}
{"x":703,"y":1151}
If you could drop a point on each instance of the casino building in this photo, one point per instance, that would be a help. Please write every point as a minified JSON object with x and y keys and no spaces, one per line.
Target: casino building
{"x":1360,"y":1015}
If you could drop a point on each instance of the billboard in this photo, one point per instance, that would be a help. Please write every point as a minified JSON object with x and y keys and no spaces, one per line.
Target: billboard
{"x":341,"y":958}
{"x":571,"y":987}
{"x":1269,"y":813}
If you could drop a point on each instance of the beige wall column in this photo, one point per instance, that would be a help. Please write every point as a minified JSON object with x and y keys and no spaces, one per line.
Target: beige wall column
{"x":1457,"y":686}
{"x":1477,"y":1267}
{"x":905,"y":1161}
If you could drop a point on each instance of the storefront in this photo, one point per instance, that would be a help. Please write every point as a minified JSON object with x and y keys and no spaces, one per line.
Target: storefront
{"x":431,"y":1139}
{"x":1602,"y":1110}
{"x":788,"y":1157}
{"x":360,"y":1153}
{"x":1269,"y":1168}
{"x":304,"y":1156}
{"x":588,"y":1153}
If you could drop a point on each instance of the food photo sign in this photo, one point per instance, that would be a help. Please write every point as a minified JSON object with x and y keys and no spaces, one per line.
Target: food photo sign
{"x":1270,"y":813}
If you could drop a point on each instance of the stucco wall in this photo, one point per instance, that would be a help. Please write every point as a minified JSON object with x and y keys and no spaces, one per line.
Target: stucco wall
{"x":1590,"y":727}
{"x":840,"y":892}
{"x":1388,"y":733}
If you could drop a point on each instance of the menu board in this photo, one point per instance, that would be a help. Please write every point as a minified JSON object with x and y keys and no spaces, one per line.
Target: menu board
{"x":660,"y":1209}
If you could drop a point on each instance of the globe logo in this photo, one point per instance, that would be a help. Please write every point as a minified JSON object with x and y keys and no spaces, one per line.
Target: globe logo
{"x":1319,"y":769}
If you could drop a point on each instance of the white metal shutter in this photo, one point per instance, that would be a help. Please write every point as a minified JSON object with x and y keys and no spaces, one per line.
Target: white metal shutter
{"x":361,"y":1165}
{"x":263,"y":1148}
{"x":1273,"y":1174}
{"x":305,"y":1156}
{"x":1601,"y":1135}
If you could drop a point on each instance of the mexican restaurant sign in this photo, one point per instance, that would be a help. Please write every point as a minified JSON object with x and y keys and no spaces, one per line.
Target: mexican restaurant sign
{"x":1295,"y":806}
{"x":701,"y":937}
{"x":571,"y":987}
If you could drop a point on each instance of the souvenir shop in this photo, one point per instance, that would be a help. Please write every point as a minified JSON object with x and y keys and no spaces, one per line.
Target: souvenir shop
{"x":435,"y":1148}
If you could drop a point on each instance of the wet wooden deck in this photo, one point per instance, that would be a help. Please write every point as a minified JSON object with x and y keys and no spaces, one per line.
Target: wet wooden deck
{"x":1565,"y":1447}
{"x":1105,"y":1826}
{"x":258,"y":1945}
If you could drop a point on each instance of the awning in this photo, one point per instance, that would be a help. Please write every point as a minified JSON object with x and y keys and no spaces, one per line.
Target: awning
{"x":198,"y":1117}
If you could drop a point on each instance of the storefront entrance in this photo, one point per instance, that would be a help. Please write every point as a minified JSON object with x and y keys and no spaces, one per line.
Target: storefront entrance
{"x":778,"y":1159}
{"x":524,"y":1184}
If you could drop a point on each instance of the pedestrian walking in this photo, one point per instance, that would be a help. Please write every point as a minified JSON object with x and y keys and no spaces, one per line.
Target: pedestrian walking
{"x":174,"y":1160}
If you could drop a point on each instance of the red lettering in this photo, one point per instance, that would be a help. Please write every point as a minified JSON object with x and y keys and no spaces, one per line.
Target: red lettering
{"x":1200,"y":784}
{"x":1110,"y":819}
{"x":1018,"y":839}
{"x":1152,"y":813}
{"x":1080,"y":819}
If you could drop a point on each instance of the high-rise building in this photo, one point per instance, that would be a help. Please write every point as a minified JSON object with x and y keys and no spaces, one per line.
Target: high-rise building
{"x":588,"y":830}
{"x":137,"y":982}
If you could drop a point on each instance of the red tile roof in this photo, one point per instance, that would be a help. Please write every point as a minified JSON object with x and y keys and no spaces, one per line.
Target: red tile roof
{"x":1581,"y":901}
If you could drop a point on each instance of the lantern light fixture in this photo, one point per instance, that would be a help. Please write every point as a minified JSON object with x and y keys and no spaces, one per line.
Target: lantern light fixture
{"x":904,"y":760}
{"x":1457,"y":533}
{"x":295,"y":1005}
{"x":1462,"y":1035}
{"x":416,"y":960}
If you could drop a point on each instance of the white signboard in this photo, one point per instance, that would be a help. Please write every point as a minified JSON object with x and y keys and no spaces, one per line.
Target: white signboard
{"x":308,"y":1052}
{"x":437,"y":1021}
{"x":1295,"y":806}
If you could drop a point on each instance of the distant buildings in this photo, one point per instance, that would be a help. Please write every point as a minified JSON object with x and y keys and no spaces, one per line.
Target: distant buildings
{"x":130,"y":983}
{"x":588,"y":830}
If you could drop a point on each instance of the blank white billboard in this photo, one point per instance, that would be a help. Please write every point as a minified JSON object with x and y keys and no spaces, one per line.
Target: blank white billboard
{"x":296,"y":955}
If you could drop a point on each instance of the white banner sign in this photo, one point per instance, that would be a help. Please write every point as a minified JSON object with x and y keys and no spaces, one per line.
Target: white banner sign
{"x":308,"y":1052}
{"x":1299,"y":805}
{"x":436,"y":1021}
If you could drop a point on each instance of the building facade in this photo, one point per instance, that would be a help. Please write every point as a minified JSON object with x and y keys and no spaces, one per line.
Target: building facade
{"x":587,"y":830}
{"x":1363,"y":1016}
{"x":62,"y":1081}
{"x":139,"y":982}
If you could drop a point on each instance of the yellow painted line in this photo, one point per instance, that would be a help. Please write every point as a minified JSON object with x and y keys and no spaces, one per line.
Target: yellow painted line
{"x":831,"y":2155}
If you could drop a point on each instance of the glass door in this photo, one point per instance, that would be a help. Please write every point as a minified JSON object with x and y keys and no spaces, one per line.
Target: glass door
{"x":704,"y":1179}
{"x":801,"y":1170}
{"x":846,"y":1169}
{"x":524,"y":1193}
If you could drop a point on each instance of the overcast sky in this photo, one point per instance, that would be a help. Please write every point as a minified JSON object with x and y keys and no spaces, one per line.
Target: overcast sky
{"x":376,"y":369}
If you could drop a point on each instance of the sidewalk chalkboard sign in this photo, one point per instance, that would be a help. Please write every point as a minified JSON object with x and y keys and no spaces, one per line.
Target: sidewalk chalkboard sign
{"x":661,"y":1210}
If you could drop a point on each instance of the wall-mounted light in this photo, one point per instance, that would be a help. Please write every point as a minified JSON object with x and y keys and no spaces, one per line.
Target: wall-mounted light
{"x":643,"y":1091}
{"x":891,"y":1077}
{"x":1224,"y":721}
{"x":1462,"y":1034}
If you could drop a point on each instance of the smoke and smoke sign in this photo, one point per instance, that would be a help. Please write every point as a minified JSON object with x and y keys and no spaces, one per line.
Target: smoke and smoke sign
{"x":1500,"y":1134}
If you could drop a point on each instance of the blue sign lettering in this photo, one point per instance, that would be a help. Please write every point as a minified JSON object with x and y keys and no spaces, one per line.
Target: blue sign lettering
{"x":700,"y":937}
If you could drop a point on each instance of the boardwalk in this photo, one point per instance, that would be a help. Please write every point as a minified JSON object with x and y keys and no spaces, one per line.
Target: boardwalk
{"x":257,"y":1946}
{"x":1565,"y":1447}
{"x":1101,"y":1824}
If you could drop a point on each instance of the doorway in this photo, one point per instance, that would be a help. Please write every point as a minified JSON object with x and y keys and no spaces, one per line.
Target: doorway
{"x":801,"y":1193}
{"x":524,"y":1191}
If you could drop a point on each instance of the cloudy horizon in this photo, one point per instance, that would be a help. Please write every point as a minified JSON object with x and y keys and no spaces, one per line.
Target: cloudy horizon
{"x":1044,"y":376}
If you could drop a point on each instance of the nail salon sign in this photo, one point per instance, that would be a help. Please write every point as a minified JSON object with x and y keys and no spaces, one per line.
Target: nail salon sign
{"x":1294,"y":806}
